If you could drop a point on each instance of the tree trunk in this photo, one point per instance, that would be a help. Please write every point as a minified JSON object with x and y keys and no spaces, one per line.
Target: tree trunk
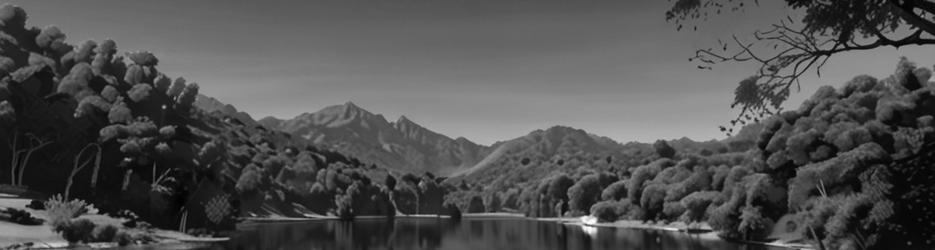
{"x":13,"y":162}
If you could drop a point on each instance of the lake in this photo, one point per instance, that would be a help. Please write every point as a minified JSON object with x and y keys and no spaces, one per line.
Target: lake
{"x":467,"y":234}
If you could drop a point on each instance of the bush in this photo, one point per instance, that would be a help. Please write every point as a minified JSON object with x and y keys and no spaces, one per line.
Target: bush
{"x":36,"y":205}
{"x":61,"y":211}
{"x":605,"y":211}
{"x":106,"y":233}
{"x":22,"y":217}
{"x":76,"y":231}
{"x":123,"y":238}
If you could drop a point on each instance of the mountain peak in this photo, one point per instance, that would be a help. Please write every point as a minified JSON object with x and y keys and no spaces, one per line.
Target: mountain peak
{"x":404,"y":120}
{"x":409,"y":127}
{"x":350,"y":107}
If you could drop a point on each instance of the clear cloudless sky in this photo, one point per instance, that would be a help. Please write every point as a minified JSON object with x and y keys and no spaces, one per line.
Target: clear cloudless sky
{"x":486,"y":70}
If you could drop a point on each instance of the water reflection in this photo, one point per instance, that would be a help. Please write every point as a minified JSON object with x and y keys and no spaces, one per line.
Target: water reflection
{"x":486,"y":234}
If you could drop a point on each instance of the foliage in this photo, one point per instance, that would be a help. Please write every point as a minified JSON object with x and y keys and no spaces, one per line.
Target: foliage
{"x":605,"y":211}
{"x":104,"y":233}
{"x":663,"y":149}
{"x":587,"y":191}
{"x":792,"y":47}
{"x":697,"y":203}
{"x":36,"y":205}
{"x":22,"y":217}
{"x":76,"y":231}
{"x":123,"y":238}
{"x":61,"y":211}
{"x":615,"y":191}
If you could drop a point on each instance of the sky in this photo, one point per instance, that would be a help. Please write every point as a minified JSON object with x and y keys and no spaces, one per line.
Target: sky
{"x":486,"y":70}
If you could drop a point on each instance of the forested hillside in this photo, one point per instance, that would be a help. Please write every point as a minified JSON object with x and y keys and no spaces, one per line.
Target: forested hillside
{"x":93,"y":123}
{"x":850,"y":169}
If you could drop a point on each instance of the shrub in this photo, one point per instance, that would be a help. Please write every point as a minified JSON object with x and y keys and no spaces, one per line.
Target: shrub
{"x":106,"y":233}
{"x":36,"y":205}
{"x":76,"y":231}
{"x":61,"y":211}
{"x":123,"y":238}
{"x":22,"y":217}
{"x":605,"y":211}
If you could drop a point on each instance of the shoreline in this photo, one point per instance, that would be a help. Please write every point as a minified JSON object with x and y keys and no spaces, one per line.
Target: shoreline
{"x":16,"y":236}
{"x":680,"y":227}
{"x":42,"y":237}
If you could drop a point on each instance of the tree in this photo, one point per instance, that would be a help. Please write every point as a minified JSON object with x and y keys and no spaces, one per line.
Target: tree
{"x":697,"y":203}
{"x":558,"y":187}
{"x":186,"y":98}
{"x":663,"y":149}
{"x":615,"y":191}
{"x":250,"y":179}
{"x":390,"y":182}
{"x":584,"y":193}
{"x":605,"y":211}
{"x":652,"y":200}
{"x":476,"y":205}
{"x":790,"y":48}
{"x":21,"y":156}
{"x":79,"y":165}
{"x":493,"y":202}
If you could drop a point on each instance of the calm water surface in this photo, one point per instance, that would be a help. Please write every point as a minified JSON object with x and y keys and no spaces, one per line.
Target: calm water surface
{"x":468,"y":234}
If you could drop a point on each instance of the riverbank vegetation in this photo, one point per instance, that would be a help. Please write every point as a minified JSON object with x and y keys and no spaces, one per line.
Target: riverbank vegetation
{"x":846,"y":170}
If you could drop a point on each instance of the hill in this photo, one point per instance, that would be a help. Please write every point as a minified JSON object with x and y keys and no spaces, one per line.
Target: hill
{"x":109,"y":128}
{"x":211,"y":105}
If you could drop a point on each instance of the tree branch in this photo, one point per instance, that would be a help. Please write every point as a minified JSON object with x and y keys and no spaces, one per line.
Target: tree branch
{"x":906,"y":11}
{"x":925,"y":5}
{"x":801,"y":52}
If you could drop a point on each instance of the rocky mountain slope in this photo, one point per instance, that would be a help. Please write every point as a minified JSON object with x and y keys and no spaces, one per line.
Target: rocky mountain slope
{"x":401,"y":145}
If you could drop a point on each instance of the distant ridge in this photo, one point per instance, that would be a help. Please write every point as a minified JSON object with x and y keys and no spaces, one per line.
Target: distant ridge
{"x":406,"y":146}
{"x":402,"y":145}
{"x":210,"y":104}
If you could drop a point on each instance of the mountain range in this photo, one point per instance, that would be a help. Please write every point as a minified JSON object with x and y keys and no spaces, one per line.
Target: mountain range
{"x":406,"y":146}
{"x":401,"y":145}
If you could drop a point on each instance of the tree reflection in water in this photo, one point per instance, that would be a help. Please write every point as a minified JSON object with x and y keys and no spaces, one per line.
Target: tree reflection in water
{"x":486,"y":234}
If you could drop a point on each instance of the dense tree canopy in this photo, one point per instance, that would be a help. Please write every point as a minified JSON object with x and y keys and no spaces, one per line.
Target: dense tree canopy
{"x":804,"y":41}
